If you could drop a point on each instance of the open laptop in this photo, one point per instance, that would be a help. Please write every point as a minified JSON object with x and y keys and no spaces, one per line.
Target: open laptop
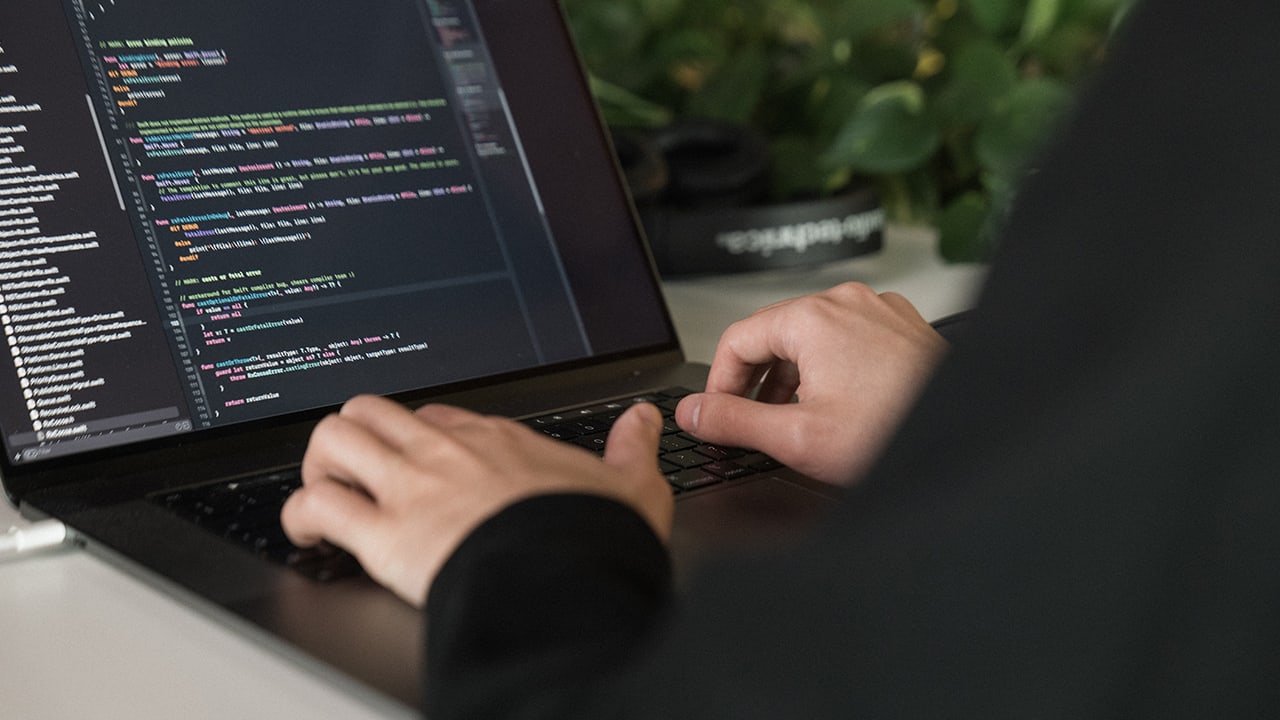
{"x":220,"y":220}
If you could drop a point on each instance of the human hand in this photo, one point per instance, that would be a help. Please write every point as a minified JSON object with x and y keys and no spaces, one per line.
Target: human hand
{"x":401,"y":490}
{"x":855,"y":361}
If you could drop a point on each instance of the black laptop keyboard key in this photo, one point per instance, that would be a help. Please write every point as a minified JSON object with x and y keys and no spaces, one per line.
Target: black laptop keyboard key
{"x":686,"y":458}
{"x":728,"y":470}
{"x":247,"y":512}
{"x":687,"y":462}
{"x":675,"y":443}
{"x":717,"y":452}
{"x":692,"y":479}
{"x":759,"y":462}
{"x":594,"y":443}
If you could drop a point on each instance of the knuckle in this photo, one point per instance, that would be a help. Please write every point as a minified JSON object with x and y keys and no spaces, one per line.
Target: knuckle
{"x":851,"y":292}
{"x":359,"y":404}
{"x":331,"y":429}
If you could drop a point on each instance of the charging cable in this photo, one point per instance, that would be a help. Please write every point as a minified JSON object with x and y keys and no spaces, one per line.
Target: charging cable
{"x":36,"y":536}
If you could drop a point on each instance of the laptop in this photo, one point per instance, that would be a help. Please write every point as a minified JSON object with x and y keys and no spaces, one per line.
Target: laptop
{"x":218,"y":221}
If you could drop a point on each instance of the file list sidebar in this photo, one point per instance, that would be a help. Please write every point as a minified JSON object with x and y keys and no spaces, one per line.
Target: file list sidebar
{"x":88,"y":356}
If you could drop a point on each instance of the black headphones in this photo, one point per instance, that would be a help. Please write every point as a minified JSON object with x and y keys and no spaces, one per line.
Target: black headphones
{"x":700,"y":188}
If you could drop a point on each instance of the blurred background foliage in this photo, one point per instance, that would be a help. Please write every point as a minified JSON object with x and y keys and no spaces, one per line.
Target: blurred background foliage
{"x":940,"y":103}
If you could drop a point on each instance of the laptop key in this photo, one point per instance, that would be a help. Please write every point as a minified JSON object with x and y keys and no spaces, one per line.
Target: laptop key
{"x":563,"y":431}
{"x":692,"y":479}
{"x":594,"y":443}
{"x":759,"y":462}
{"x":674,"y":443}
{"x":686,"y":459}
{"x":718,"y":452}
{"x":727,"y":470}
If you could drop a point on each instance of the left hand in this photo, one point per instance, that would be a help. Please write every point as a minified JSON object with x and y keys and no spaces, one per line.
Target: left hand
{"x":401,"y":490}
{"x":853,"y":359}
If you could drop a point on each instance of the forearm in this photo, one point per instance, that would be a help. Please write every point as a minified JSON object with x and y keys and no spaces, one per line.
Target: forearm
{"x":539,"y":605}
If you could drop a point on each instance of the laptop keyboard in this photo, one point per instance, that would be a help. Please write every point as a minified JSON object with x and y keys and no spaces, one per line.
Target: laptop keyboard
{"x":687,"y":462}
{"x":247,"y":511}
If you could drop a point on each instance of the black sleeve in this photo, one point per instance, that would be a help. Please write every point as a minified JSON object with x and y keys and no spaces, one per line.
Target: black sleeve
{"x":540,"y":604}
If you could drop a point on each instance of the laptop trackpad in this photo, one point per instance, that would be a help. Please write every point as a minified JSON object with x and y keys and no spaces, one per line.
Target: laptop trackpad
{"x":755,"y":515}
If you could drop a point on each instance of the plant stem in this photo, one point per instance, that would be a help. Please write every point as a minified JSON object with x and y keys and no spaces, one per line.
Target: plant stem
{"x":895,"y":197}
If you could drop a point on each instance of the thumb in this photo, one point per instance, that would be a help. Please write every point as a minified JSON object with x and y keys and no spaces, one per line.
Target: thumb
{"x":734,"y":421}
{"x":634,"y":437}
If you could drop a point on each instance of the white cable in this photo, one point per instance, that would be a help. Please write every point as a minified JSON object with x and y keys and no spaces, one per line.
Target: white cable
{"x":37,"y":536}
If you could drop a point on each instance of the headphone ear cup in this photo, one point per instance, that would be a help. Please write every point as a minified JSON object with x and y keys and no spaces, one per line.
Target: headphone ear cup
{"x":713,"y":164}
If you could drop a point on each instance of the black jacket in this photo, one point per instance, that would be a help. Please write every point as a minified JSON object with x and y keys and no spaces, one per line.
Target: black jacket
{"x":1081,"y":517}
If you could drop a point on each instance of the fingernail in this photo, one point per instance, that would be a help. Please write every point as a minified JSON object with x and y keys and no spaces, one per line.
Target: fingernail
{"x":695,"y":411}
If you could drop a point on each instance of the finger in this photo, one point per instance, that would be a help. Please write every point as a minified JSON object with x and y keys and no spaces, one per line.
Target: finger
{"x":726,"y":419}
{"x":633,"y":441}
{"x":747,"y":349}
{"x":328,"y":511}
{"x":344,"y":449}
{"x":446,"y":416}
{"x":632,"y":449}
{"x":390,"y":421}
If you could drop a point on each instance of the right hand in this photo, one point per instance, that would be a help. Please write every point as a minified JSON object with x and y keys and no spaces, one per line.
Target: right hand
{"x":853,"y":360}
{"x":401,"y":490}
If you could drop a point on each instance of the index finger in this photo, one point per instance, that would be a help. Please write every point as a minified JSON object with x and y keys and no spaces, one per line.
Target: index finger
{"x":327,"y":511}
{"x":747,"y":349}
{"x":358,"y":449}
{"x":389,"y":421}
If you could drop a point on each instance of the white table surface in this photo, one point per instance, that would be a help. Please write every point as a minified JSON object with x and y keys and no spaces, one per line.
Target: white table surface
{"x":81,"y":639}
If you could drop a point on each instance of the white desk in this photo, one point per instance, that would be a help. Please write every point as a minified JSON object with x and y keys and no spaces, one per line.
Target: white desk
{"x":81,"y":639}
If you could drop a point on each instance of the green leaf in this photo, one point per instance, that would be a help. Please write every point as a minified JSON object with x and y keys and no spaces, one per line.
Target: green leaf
{"x":964,"y":229}
{"x":979,"y":74}
{"x":710,"y":47}
{"x":1041,"y":17}
{"x":605,"y":32}
{"x":885,"y":57}
{"x":891,"y":132}
{"x":1071,"y":50}
{"x":795,"y":174}
{"x":909,"y":93}
{"x":732,"y":93}
{"x":659,"y":12}
{"x":1097,"y":13}
{"x":866,"y":17}
{"x":994,"y":16}
{"x":625,"y":109}
{"x":910,"y":197}
{"x":831,"y":103}
{"x":1020,"y":124}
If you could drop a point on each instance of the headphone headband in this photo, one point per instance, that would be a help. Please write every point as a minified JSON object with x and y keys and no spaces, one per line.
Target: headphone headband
{"x":700,"y":189}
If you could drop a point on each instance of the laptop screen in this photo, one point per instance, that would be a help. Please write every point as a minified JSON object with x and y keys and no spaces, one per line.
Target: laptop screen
{"x":213,"y":213}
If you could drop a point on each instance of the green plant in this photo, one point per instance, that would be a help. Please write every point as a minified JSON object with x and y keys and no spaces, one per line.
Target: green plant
{"x":939,"y":103}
